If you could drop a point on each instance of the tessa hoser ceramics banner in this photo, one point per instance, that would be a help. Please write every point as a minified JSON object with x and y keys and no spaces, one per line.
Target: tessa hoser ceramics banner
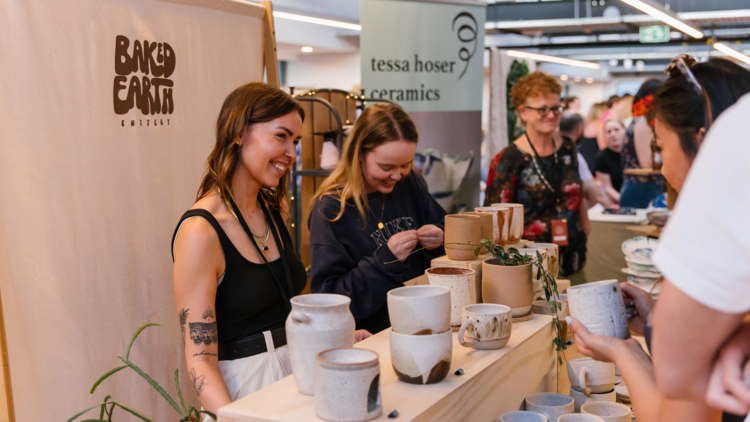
{"x":108,"y":113}
{"x":428,"y":57}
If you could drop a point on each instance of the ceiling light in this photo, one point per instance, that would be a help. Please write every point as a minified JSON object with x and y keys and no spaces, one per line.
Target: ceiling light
{"x":552,"y":59}
{"x":640,"y":65}
{"x":613,"y":62}
{"x":627,"y":63}
{"x":589,"y":80}
{"x":307,"y":49}
{"x":563,"y":77}
{"x":656,"y":10}
{"x":577,"y":79}
{"x":732,"y":52}
{"x":318,"y":21}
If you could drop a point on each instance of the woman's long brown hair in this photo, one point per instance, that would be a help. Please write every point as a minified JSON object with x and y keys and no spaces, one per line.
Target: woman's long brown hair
{"x":251,"y":103}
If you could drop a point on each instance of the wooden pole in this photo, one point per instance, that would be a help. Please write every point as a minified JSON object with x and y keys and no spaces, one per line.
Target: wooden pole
{"x":7,"y":413}
{"x":269,"y":47}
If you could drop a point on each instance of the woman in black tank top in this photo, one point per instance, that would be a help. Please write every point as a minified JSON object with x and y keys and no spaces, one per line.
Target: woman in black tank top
{"x":235,"y":267}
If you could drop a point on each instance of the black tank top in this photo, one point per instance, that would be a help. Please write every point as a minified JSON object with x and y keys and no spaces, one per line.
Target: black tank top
{"x":248,"y":300}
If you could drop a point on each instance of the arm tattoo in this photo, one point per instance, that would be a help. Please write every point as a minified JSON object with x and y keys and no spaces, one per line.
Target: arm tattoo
{"x":208,"y":313}
{"x":199,"y":382}
{"x":183,"y":320}
{"x":205,"y":353}
{"x":204,"y":332}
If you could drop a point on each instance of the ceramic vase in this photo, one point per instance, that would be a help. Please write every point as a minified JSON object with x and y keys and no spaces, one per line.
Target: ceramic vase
{"x":317,"y":322}
{"x":485,"y":220}
{"x":552,"y":405}
{"x":591,"y":376}
{"x":609,"y":412}
{"x":507,"y":285}
{"x":500,"y":223}
{"x":522,"y":416}
{"x":420,"y":309}
{"x":462,"y":236}
{"x":460,"y":281}
{"x":421,"y":359}
{"x":580,"y":398}
{"x":600,"y":307}
{"x":347,"y":385}
{"x":515,"y":231}
{"x":552,"y":256}
{"x":487,"y":326}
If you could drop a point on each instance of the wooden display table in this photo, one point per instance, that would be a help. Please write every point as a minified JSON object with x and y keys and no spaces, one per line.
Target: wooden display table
{"x":494,"y":382}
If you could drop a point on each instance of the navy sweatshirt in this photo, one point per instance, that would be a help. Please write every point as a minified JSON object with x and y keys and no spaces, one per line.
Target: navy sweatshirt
{"x":354,"y":260}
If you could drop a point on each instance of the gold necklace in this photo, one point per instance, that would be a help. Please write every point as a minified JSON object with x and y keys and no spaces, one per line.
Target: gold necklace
{"x":381,"y":226}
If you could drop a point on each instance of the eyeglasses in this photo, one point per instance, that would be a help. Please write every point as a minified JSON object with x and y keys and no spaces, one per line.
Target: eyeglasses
{"x":543,"y":111}
{"x":681,"y":65}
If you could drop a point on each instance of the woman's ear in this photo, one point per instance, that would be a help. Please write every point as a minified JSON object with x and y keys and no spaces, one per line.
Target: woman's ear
{"x":700,"y":136}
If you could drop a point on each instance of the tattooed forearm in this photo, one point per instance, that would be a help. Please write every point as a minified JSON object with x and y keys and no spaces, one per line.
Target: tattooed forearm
{"x":205,"y":353}
{"x":208,"y":313}
{"x":199,"y":382}
{"x":183,"y":320}
{"x":204,"y":332}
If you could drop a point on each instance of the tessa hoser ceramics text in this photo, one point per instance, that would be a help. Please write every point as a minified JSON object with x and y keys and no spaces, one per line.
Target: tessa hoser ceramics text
{"x":317,"y":322}
{"x":462,"y":235}
{"x":507,"y":285}
{"x":420,"y":309}
{"x":347,"y":385}
{"x":460,"y":281}
{"x":421,"y":359}
{"x":486,"y":325}
{"x":600,"y":307}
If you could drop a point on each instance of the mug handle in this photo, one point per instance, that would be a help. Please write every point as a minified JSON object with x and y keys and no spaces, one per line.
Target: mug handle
{"x":461,"y":330}
{"x":582,"y":381}
{"x":300,"y":318}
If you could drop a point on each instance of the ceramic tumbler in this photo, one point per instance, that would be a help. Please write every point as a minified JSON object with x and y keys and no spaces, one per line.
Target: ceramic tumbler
{"x":347,"y":385}
{"x":500,"y":223}
{"x":460,"y":282}
{"x":420,"y":309}
{"x":485,"y":220}
{"x":523,"y":416}
{"x":462,"y":236}
{"x":580,"y":398}
{"x":421,"y":359}
{"x":515,"y":223}
{"x":507,"y":285}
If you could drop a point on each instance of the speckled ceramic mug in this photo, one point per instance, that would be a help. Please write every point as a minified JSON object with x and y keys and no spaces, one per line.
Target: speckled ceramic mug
{"x":486,"y":325}
{"x":591,"y":376}
{"x":461,"y":282}
{"x":600,"y":307}
{"x":347,"y":385}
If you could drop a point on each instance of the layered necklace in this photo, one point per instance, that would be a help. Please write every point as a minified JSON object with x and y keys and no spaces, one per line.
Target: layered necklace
{"x":262,"y":239}
{"x":536,"y":165}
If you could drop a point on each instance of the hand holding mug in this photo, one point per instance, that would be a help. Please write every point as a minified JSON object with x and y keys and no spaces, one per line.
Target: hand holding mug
{"x":638,"y":305}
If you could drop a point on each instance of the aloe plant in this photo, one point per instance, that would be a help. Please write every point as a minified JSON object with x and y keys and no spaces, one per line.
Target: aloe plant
{"x":187,"y":414}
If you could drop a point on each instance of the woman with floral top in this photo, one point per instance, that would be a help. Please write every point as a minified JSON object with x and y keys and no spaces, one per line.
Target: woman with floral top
{"x":540,"y":171}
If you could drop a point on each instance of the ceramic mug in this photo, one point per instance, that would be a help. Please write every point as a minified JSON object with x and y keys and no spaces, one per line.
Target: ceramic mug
{"x":485,"y":220}
{"x":552,"y":405}
{"x":462,"y":236}
{"x":347,"y":385}
{"x":580,"y":398}
{"x":523,"y":416}
{"x":420,"y":309}
{"x":515,"y":231}
{"x":577,"y":417}
{"x":591,"y":376}
{"x":461,"y":282}
{"x":600,"y":308}
{"x":609,"y":412}
{"x":421,"y":359}
{"x":487,"y":325}
{"x":500,"y":223}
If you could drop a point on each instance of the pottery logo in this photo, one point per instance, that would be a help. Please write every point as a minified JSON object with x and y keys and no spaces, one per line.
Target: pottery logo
{"x":149,"y":66}
{"x":467,"y":34}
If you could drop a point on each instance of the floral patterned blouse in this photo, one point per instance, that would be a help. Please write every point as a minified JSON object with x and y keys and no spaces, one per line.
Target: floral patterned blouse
{"x":630,"y":159}
{"x":515,"y":180}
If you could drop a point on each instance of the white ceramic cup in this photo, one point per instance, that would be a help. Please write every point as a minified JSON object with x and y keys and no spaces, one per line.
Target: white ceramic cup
{"x":421,"y":359}
{"x":581,"y":398}
{"x":347,"y":385}
{"x":552,"y":405}
{"x":487,"y":325}
{"x":523,"y":416}
{"x":609,"y":412}
{"x":600,"y":308}
{"x":591,"y":376}
{"x":420,"y":309}
{"x":461,"y":282}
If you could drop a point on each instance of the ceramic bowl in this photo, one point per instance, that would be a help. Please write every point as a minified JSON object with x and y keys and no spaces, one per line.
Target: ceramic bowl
{"x":420,"y":309}
{"x":522,"y":416}
{"x":421,"y":359}
{"x":552,"y":405}
{"x":609,"y":412}
{"x":577,"y":417}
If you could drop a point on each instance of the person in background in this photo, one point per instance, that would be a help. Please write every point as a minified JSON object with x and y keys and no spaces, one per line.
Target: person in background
{"x":639,"y":191}
{"x":626,"y":110}
{"x":593,"y":134}
{"x":573,"y":105}
{"x":571,"y":127}
{"x":540,"y":171}
{"x":608,"y":162}
{"x":614,"y":105}
{"x":373,"y":224}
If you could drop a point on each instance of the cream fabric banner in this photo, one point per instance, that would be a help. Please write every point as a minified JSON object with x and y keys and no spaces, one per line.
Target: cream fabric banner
{"x":107,"y":114}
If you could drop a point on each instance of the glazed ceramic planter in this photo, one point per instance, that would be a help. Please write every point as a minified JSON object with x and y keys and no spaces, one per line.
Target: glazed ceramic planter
{"x":552,"y":256}
{"x":507,"y":285}
{"x":424,"y":359}
{"x":347,"y":385}
{"x":609,"y":412}
{"x":462,"y":236}
{"x":420,"y":309}
{"x":552,"y":405}
{"x":515,"y":231}
{"x":500,"y":223}
{"x":591,"y":376}
{"x":317,"y":322}
{"x":460,"y":281}
{"x":486,"y":325}
{"x":485,"y":220}
{"x":522,"y":416}
{"x":580,"y":398}
{"x":600,"y":307}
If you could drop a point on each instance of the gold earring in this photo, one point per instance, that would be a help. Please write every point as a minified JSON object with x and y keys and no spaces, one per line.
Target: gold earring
{"x":238,"y":143}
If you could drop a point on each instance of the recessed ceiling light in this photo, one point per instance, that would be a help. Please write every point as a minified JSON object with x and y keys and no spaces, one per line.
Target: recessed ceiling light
{"x":657,"y":10}
{"x":577,"y":79}
{"x":732,"y":52}
{"x":307,"y":49}
{"x":551,"y":59}
{"x":589,"y":80}
{"x":318,"y":21}
{"x":563,"y":77}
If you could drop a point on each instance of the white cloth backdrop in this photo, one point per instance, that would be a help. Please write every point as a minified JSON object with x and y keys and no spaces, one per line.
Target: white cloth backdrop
{"x":91,"y":197}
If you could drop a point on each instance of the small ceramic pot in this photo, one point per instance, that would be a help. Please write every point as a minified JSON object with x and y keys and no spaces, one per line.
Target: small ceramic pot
{"x":507,"y":285}
{"x":522,"y":416}
{"x":317,"y":322}
{"x":600,"y":307}
{"x":515,"y":232}
{"x":552,"y":405}
{"x":420,"y":309}
{"x":460,"y":281}
{"x":462,"y":236}
{"x":609,"y":412}
{"x":488,"y":326}
{"x":552,"y":255}
{"x":424,"y":359}
{"x":591,"y":376}
{"x":485,"y":220}
{"x":500,"y":223}
{"x":581,"y":399}
{"x":577,"y":417}
{"x":347,"y":385}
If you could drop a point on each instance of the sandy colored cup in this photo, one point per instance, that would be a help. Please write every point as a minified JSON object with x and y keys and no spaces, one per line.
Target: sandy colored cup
{"x":552,"y":405}
{"x":500,"y":223}
{"x":600,"y":307}
{"x":347,"y":385}
{"x":515,"y":232}
{"x":424,"y":359}
{"x":460,"y":281}
{"x":488,"y":326}
{"x":581,"y":398}
{"x":577,"y":417}
{"x":523,"y":416}
{"x":591,"y":376}
{"x":485,"y":220}
{"x":420,"y":309}
{"x":507,"y":285}
{"x":609,"y":412}
{"x":462,"y":236}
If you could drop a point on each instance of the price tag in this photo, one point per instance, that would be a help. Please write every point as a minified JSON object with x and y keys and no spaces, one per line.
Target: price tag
{"x":560,"y":232}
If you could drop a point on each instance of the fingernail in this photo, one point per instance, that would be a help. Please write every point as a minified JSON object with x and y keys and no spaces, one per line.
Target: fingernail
{"x":631,"y":303}
{"x":635,"y":312}
{"x":569,"y":320}
{"x":630,"y":316}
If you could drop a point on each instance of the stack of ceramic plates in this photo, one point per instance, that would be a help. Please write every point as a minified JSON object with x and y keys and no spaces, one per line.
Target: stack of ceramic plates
{"x":622,"y":393}
{"x":638,"y":251}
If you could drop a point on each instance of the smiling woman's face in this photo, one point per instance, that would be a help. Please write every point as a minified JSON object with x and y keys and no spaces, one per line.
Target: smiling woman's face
{"x":386,"y":164}
{"x":269,"y":148}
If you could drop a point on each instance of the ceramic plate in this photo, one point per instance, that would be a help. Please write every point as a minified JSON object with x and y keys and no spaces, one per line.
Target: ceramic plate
{"x":641,"y":274}
{"x":618,"y":381}
{"x":622,"y":391}
{"x":635,"y":266}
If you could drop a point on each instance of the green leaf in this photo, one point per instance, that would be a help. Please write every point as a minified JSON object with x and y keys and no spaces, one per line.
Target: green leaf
{"x":153,"y":383}
{"x":513,"y":251}
{"x":104,"y":407}
{"x":539,"y":256}
{"x":179,"y":390}
{"x":94,"y":420}
{"x":105,"y":376}
{"x":477,"y":250}
{"x":81,"y":413}
{"x":134,"y":412}
{"x":206,"y":412}
{"x":138,"y":331}
{"x":559,"y":359}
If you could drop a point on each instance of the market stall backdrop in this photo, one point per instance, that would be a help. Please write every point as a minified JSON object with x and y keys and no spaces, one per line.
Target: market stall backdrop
{"x":108,"y":111}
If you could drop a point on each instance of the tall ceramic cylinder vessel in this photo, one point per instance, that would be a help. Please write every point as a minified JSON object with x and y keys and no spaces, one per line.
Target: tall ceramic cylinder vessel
{"x":462,"y":236}
{"x":460,"y":281}
{"x":500,"y":223}
{"x":515,"y":230}
{"x":317,"y":322}
{"x":507,"y":285}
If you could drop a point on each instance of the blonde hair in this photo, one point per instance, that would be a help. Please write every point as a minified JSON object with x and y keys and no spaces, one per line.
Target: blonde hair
{"x":596,"y":112}
{"x":378,"y":124}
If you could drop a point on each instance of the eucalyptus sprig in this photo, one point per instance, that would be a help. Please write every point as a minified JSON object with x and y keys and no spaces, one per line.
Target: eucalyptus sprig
{"x":513,"y":258}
